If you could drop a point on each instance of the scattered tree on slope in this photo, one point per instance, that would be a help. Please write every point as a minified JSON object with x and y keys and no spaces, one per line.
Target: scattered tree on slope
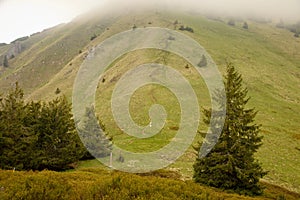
{"x":5,"y":61}
{"x":231,"y":164}
{"x":93,"y":136}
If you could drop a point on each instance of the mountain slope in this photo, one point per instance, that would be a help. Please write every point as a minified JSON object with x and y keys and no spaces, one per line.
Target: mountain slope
{"x":267,"y":57}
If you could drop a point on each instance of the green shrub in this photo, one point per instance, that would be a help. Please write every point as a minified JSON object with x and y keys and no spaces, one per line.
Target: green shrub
{"x":101,"y":184}
{"x":245,"y":25}
{"x":93,"y":37}
{"x":189,"y":29}
{"x":231,"y":22}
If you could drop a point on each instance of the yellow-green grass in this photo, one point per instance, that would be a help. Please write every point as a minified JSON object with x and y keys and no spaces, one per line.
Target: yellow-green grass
{"x":95,"y":183}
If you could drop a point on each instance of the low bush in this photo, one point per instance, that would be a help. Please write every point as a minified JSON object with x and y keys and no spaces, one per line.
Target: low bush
{"x":99,"y":185}
{"x":231,"y":22}
{"x":94,"y":183}
{"x":189,"y":29}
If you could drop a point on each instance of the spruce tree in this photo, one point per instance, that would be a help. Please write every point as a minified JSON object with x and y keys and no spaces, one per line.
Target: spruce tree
{"x":231,"y":165}
{"x":203,"y":62}
{"x":93,"y":136}
{"x":58,"y":144}
{"x":37,"y":135}
{"x":16,"y":138}
{"x":5,"y":61}
{"x":32,"y":120}
{"x":245,"y":25}
{"x":57,"y":91}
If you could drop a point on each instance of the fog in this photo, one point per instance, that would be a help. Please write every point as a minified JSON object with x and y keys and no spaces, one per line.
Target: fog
{"x":288,"y":10}
{"x":19,"y":18}
{"x":23,"y":17}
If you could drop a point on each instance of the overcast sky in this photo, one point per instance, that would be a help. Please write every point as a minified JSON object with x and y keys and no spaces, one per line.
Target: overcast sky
{"x":23,"y":17}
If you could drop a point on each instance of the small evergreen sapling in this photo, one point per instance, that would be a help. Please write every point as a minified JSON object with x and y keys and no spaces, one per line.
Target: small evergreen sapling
{"x":5,"y":61}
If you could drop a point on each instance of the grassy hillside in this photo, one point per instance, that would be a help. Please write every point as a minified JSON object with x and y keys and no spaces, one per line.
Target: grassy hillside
{"x":267,"y":57}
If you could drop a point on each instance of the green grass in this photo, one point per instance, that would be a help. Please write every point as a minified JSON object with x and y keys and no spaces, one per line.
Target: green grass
{"x":267,"y":57}
{"x":89,"y":164}
{"x":143,"y":99}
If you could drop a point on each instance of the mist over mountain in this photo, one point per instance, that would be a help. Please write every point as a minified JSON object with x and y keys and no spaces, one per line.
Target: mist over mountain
{"x":270,"y":9}
{"x":19,"y":22}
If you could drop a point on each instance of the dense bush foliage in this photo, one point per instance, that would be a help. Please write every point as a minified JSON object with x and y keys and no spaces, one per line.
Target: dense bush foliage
{"x":37,"y":135}
{"x":101,"y":184}
{"x":189,"y":29}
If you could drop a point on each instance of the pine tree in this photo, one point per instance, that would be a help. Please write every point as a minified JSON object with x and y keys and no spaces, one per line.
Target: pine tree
{"x":231,"y":165}
{"x":16,"y":138}
{"x":37,"y":135}
{"x":93,"y":136}
{"x":245,"y":25}
{"x":58,"y":144}
{"x":5,"y":61}
{"x":57,"y":91}
{"x":32,"y":120}
{"x":203,"y":62}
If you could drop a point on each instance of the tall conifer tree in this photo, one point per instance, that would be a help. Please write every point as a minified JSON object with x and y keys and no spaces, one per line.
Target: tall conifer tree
{"x":231,"y":165}
{"x":94,"y":137}
{"x":37,"y":135}
{"x":16,"y":138}
{"x":58,"y":142}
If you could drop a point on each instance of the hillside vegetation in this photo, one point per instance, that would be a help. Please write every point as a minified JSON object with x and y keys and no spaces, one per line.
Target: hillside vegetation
{"x":91,"y":183}
{"x":266,"y":56}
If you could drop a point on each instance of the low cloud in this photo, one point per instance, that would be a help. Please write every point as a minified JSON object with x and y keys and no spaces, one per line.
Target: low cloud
{"x":22,"y":18}
{"x":288,"y":10}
